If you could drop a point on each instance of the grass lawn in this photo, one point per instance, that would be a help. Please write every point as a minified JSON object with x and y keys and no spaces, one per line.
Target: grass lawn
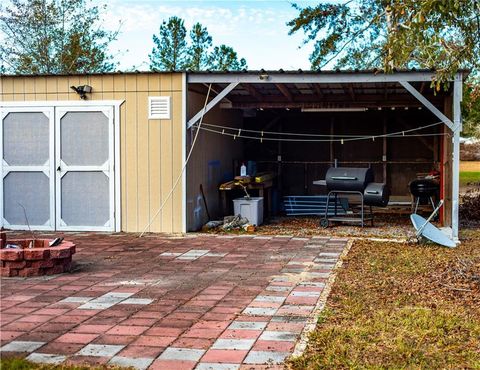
{"x":469,"y":177}
{"x":401,"y":306}
{"x":13,"y":363}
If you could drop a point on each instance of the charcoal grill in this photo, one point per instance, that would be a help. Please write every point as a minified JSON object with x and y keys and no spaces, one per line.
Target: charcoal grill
{"x":423,"y":191}
{"x":355,"y":181}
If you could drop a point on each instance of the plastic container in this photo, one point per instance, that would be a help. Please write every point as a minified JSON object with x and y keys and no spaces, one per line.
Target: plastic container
{"x":251,"y":209}
{"x":243,"y":170}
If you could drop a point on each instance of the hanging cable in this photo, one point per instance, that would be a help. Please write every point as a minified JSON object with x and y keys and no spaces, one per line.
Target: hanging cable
{"x":261,"y":139}
{"x":315,"y":135}
{"x":199,"y":127}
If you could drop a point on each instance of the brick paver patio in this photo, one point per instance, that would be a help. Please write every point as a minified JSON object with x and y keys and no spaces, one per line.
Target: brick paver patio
{"x":200,"y":302}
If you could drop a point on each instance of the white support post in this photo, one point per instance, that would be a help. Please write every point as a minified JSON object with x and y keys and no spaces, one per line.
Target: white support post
{"x":210,"y":105}
{"x":457,"y":128}
{"x":427,"y":104}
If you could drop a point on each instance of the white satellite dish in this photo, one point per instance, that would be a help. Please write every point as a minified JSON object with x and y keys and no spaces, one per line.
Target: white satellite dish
{"x":427,"y":230}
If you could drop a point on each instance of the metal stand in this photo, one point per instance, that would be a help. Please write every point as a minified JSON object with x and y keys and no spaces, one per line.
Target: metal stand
{"x":418,"y":201}
{"x":325,"y":221}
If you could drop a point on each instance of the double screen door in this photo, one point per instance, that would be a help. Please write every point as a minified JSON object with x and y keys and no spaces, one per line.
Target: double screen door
{"x":58,"y":168}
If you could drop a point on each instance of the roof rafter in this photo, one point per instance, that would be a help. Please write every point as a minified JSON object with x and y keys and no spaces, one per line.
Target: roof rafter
{"x":285,"y":91}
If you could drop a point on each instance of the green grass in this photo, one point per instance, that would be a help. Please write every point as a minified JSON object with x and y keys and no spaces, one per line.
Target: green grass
{"x":15,"y":363}
{"x":469,"y":177}
{"x":401,"y":306}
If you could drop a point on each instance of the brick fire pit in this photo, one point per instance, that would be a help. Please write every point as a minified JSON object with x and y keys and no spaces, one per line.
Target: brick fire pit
{"x":36,"y":258}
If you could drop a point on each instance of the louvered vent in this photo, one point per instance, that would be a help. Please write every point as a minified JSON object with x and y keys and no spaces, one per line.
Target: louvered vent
{"x":158,"y":107}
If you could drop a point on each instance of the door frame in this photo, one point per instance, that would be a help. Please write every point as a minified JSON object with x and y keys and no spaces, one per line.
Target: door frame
{"x":29,"y":105}
{"x":48,"y":169}
{"x":60,"y":112}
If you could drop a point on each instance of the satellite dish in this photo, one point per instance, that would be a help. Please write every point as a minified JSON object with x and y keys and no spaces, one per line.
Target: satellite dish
{"x":427,"y":230}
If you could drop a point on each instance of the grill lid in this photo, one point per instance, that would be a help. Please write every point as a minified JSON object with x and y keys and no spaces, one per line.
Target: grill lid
{"x":348,"y":178}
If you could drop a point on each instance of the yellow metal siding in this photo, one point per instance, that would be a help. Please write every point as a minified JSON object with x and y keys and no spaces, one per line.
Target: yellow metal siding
{"x":150,"y":150}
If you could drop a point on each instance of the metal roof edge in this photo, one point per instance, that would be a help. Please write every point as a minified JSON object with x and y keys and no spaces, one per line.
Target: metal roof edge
{"x":465,"y":72}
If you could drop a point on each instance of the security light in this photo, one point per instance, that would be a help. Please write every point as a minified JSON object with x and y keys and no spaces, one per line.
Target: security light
{"x":82,"y":90}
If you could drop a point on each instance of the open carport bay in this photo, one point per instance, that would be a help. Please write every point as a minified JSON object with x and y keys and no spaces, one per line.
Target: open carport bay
{"x":298,"y":130}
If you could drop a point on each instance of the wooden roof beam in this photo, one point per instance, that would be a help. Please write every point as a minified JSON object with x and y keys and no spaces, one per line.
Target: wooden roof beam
{"x":285,"y":91}
{"x":253,"y":91}
{"x":318,"y":91}
{"x":349,"y":91}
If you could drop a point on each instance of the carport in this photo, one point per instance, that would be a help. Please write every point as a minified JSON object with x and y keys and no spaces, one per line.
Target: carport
{"x":297,"y":124}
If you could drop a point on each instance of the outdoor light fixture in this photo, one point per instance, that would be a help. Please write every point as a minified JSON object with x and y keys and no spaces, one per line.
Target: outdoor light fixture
{"x":312,"y":110}
{"x":82,"y":90}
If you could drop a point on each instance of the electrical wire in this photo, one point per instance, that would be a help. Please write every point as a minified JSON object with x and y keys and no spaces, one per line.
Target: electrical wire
{"x":199,"y":126}
{"x":317,"y":135}
{"x":371,"y":137}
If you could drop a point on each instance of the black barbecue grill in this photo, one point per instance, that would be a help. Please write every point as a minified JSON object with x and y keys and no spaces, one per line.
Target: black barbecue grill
{"x":423,"y":191}
{"x":355,"y":181}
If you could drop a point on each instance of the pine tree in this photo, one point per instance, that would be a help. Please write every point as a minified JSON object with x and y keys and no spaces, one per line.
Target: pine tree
{"x":170,"y":50}
{"x":224,"y":58}
{"x":201,"y":42}
{"x":54,"y":36}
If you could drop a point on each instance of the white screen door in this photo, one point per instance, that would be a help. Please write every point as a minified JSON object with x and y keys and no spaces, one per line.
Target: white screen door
{"x":84,"y":160}
{"x":27,"y":154}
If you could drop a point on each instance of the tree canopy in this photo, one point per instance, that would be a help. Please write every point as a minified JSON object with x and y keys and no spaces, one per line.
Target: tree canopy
{"x":201,"y":42}
{"x":54,"y":37}
{"x":444,"y":35}
{"x":173,"y":52}
{"x":224,"y":58}
{"x":170,"y":51}
{"x":388,"y":34}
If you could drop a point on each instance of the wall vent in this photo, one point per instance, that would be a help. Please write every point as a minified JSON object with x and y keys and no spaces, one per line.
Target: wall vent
{"x":159,"y":107}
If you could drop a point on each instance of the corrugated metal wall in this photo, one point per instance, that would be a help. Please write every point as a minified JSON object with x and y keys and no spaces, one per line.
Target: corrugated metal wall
{"x":151,"y":150}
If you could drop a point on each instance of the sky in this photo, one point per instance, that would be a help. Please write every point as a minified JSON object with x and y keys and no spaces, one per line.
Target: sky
{"x":256,"y":29}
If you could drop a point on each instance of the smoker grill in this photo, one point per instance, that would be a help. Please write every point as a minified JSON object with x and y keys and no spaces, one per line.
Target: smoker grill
{"x":349,"y":179}
{"x":376,"y":194}
{"x":355,"y":181}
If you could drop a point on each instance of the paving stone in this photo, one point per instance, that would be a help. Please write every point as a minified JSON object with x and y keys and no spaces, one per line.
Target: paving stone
{"x":100,"y":350}
{"x":224,"y":356}
{"x":259,"y":311}
{"x":21,"y":346}
{"x":140,"y":363}
{"x":216,"y":366}
{"x":278,"y":336}
{"x":105,"y":301}
{"x":184,"y":354}
{"x":140,"y":301}
{"x":274,"y":288}
{"x":264,"y":357}
{"x":212,"y":254}
{"x":269,"y":298}
{"x":45,"y":358}
{"x":305,"y":294}
{"x":172,"y":365}
{"x":312,"y":284}
{"x":248,"y":325}
{"x":76,"y":300}
{"x":236,"y":344}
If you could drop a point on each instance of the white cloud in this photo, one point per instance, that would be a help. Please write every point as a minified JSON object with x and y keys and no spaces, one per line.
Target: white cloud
{"x":256,"y":30}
